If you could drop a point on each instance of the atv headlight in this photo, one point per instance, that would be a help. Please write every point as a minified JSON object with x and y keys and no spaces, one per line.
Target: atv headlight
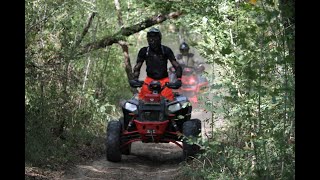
{"x":130,"y":107}
{"x":174,"y":107}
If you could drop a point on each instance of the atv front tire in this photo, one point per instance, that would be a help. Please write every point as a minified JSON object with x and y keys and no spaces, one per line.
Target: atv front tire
{"x":113,"y":141}
{"x":191,"y":129}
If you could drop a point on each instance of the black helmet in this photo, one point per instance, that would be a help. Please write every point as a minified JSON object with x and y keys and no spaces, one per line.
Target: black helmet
{"x":154,"y":32}
{"x":184,"y":48}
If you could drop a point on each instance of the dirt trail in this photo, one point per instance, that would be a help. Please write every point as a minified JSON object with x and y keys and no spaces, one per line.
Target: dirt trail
{"x":147,"y":161}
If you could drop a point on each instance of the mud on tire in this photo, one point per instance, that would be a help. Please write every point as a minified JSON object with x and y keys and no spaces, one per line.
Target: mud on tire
{"x":191,"y":129}
{"x":113,"y":141}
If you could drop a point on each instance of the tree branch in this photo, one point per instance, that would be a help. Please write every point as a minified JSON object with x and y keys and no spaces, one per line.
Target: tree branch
{"x":127,"y":31}
{"x":86,"y":28}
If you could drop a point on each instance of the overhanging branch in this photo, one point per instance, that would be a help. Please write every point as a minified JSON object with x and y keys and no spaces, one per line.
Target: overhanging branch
{"x":127,"y":31}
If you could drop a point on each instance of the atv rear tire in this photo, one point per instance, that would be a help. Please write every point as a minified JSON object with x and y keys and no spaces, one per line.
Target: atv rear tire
{"x":191,"y":129}
{"x":113,"y":141}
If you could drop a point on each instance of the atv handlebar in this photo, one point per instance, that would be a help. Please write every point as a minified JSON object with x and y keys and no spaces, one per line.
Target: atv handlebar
{"x":136,"y":84}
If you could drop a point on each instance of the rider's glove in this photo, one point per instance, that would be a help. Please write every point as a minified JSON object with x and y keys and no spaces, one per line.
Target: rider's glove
{"x":174,"y":85}
{"x":135,"y":83}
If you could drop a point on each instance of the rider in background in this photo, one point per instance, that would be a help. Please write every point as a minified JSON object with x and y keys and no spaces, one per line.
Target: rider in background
{"x":186,"y":59}
{"x":156,"y":56}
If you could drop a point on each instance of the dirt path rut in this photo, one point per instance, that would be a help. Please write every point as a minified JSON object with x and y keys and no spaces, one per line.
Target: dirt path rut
{"x":148,"y":161}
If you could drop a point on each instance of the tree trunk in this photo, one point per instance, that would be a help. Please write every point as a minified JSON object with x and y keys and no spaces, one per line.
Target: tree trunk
{"x":125,"y":48}
{"x":118,"y":8}
{"x":127,"y":63}
{"x":287,"y":8}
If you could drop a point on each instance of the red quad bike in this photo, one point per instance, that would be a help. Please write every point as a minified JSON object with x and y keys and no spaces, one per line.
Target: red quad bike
{"x":192,"y":83}
{"x":153,"y":119}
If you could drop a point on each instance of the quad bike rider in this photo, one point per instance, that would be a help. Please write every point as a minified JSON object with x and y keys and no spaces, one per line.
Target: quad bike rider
{"x":193,"y":81}
{"x":156,"y":114}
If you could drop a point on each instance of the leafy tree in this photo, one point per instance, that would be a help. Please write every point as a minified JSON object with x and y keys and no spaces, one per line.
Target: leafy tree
{"x":254,"y":92}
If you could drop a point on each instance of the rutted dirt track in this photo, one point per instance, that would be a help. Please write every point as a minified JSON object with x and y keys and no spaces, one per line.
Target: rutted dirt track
{"x":147,"y":161}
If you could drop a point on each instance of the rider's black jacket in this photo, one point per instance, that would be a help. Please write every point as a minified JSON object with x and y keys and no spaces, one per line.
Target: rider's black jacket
{"x":156,"y":62}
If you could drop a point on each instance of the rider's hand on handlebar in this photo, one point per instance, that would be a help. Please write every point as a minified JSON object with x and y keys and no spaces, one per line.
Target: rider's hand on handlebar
{"x":175,"y":85}
{"x":135,"y":83}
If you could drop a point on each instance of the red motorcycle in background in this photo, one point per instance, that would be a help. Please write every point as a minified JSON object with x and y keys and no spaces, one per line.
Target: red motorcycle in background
{"x":192,"y":82}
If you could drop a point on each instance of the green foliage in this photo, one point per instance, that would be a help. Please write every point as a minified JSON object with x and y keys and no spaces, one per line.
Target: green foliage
{"x":253,"y":91}
{"x":69,"y":99}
